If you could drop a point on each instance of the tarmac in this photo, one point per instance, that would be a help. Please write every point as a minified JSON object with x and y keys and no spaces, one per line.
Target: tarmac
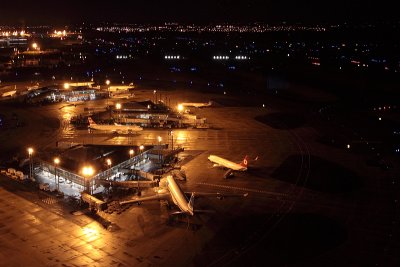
{"x":309,"y":204}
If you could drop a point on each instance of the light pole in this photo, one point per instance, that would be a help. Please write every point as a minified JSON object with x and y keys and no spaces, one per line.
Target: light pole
{"x":118,"y":107}
{"x":138,"y":184}
{"x":131,"y":153}
{"x":108,"y":90}
{"x":30,"y":153}
{"x":109,"y":163}
{"x":172,"y":139}
{"x":159,"y":149}
{"x":87,"y":172}
{"x":56,"y":180}
{"x":141,"y":151}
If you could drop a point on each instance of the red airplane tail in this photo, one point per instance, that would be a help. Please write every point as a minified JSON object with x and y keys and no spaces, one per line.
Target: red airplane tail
{"x":245,"y":162}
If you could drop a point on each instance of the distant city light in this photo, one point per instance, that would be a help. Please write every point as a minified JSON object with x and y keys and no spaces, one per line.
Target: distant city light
{"x":241,"y":57}
{"x":220,"y":57}
{"x":172,"y":57}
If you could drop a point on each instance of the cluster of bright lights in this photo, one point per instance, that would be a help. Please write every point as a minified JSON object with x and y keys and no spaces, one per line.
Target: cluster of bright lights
{"x":385,"y":108}
{"x":242,"y":57}
{"x":59,"y":33}
{"x":12,"y":33}
{"x":123,"y":56}
{"x":221,"y":57}
{"x":174,"y":27}
{"x":172,"y":57}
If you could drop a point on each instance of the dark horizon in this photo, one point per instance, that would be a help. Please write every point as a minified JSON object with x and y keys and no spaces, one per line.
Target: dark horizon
{"x":47,"y":12}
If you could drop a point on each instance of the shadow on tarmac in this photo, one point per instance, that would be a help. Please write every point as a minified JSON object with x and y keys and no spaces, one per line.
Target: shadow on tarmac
{"x":283,"y":121}
{"x":297,"y":239}
{"x":324,"y":176}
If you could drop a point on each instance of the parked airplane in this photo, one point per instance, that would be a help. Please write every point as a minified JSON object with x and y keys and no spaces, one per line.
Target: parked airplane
{"x":242,"y":166}
{"x":116,"y":128}
{"x":180,"y":198}
{"x":9,"y":93}
{"x":122,"y":96}
{"x":197,"y":105}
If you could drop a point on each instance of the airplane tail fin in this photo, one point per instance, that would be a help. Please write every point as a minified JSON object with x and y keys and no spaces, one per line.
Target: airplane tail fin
{"x":244,"y":162}
{"x":91,"y":122}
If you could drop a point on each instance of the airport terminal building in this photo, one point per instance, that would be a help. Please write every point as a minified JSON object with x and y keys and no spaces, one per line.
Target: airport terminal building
{"x":123,"y":166}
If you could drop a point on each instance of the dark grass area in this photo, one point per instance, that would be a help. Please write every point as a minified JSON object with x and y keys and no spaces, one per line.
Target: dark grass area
{"x":298,"y":238}
{"x":334,"y":140}
{"x":283,"y":121}
{"x":324,"y":176}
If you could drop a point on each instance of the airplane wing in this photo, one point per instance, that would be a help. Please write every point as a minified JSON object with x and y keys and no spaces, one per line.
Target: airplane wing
{"x":217,"y":195}
{"x":195,"y":211}
{"x":139,"y":200}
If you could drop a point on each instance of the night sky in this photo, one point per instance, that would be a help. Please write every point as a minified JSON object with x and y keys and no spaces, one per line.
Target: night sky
{"x":63,"y":12}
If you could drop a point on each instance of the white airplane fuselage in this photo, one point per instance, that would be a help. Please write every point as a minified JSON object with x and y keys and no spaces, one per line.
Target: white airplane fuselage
{"x":116,"y":128}
{"x":196,"y":105}
{"x":179,"y":197}
{"x":227,"y":163}
{"x":9,"y":93}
